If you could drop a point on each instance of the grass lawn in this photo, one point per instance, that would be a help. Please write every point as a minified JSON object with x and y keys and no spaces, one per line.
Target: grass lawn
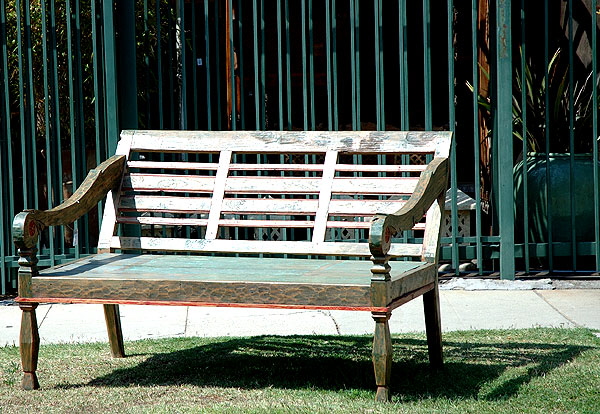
{"x":512,"y":371}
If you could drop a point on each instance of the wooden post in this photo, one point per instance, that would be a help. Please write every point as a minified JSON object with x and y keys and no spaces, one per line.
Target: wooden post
{"x":433,"y":326}
{"x":29,"y":341}
{"x":382,"y":355}
{"x":115,"y":334}
{"x":382,"y":341}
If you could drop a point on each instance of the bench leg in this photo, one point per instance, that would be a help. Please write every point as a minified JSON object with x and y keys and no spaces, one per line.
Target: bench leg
{"x":29,"y":341}
{"x":115,"y":334}
{"x":382,"y":355}
{"x":433,"y":326}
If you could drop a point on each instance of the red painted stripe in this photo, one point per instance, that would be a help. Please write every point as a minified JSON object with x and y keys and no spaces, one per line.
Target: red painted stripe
{"x":217,"y":305}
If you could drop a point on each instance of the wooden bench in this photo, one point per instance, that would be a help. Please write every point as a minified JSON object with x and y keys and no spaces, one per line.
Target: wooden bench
{"x":226,"y":200}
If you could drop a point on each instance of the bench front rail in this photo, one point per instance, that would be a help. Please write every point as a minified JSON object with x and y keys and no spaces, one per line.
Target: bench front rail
{"x":264,"y":219}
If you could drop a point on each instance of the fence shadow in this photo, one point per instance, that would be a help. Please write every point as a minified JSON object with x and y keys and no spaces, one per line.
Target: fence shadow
{"x":343,"y":362}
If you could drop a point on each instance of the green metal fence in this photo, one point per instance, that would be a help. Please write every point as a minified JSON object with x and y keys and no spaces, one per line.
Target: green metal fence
{"x":56,"y":117}
{"x":74,"y":73}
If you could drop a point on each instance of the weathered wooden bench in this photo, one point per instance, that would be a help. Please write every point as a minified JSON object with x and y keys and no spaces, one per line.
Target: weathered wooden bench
{"x":264,"y":219}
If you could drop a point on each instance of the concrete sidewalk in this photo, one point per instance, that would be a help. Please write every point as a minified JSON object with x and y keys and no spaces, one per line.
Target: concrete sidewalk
{"x":465,"y":305}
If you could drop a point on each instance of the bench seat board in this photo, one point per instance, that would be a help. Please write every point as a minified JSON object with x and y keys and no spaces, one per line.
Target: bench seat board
{"x":223,"y":280}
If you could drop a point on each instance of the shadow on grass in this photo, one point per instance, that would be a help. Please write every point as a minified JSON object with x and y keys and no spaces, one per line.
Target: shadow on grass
{"x":338,"y":363}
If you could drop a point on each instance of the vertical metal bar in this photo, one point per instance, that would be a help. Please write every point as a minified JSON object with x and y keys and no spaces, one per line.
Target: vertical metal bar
{"x":149,"y":122}
{"x":504,"y":138}
{"x":427,"y":65}
{"x":241,"y":65}
{"x":353,"y":66}
{"x":218,"y":65}
{"x":476,"y":149}
{"x":356,"y":54}
{"x":548,"y":149}
{"x":403,"y":65}
{"x":572,"y":137}
{"x":403,"y":83}
{"x":279,"y":66}
{"x":288,"y":73}
{"x":229,"y":53}
{"x":159,"y":72}
{"x":524,"y":134}
{"x":334,"y":64}
{"x":257,"y":102}
{"x":207,"y":63}
{"x":194,"y":67}
{"x":452,"y":124}
{"x":595,"y":135}
{"x":311,"y":65}
{"x":110,"y":76}
{"x":263,"y":90}
{"x":27,"y":117}
{"x":328,"y":60}
{"x":379,"y":83}
{"x":304,"y":68}
{"x":171,"y":72}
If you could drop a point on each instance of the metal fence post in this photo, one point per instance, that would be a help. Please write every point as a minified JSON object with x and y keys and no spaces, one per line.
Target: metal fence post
{"x":503,"y":135}
{"x":110,"y":76}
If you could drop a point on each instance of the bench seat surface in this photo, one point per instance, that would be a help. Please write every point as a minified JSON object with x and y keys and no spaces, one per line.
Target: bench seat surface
{"x":219,"y":280}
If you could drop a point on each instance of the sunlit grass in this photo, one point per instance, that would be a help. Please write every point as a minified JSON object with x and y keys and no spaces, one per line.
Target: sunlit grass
{"x":511,"y":371}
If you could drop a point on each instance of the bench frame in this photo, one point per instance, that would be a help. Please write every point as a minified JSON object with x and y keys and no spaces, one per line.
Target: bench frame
{"x":386,"y":292}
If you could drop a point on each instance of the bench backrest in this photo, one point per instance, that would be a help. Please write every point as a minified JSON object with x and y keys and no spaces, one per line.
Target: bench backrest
{"x":280,"y":192}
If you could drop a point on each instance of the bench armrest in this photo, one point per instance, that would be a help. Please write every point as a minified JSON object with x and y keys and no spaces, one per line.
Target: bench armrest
{"x":432,"y":183}
{"x":28,"y":224}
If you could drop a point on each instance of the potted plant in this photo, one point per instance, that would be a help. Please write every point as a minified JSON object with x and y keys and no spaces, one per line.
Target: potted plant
{"x":555,"y":120}
{"x":546,"y":111}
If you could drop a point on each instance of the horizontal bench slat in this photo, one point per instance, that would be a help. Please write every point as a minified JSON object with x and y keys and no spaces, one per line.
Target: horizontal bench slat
{"x":163,"y":221}
{"x":175,"y":221}
{"x":167,"y":182}
{"x":301,"y":185}
{"x":268,"y":185}
{"x":165,"y":204}
{"x":256,"y":246}
{"x":359,"y":142}
{"x":174,"y":165}
{"x":208,"y":166}
{"x":296,"y":206}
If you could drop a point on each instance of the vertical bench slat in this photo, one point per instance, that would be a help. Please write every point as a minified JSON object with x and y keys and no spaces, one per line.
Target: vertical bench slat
{"x":109,"y":217}
{"x":324,"y":196}
{"x":218,"y":194}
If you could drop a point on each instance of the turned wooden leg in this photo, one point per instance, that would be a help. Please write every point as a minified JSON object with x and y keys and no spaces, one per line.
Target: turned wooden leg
{"x":433,"y":326}
{"x":382,"y":355}
{"x":29,"y":346}
{"x":115,"y":334}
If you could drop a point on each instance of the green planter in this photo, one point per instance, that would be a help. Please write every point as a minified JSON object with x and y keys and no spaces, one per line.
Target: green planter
{"x":559,"y":204}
